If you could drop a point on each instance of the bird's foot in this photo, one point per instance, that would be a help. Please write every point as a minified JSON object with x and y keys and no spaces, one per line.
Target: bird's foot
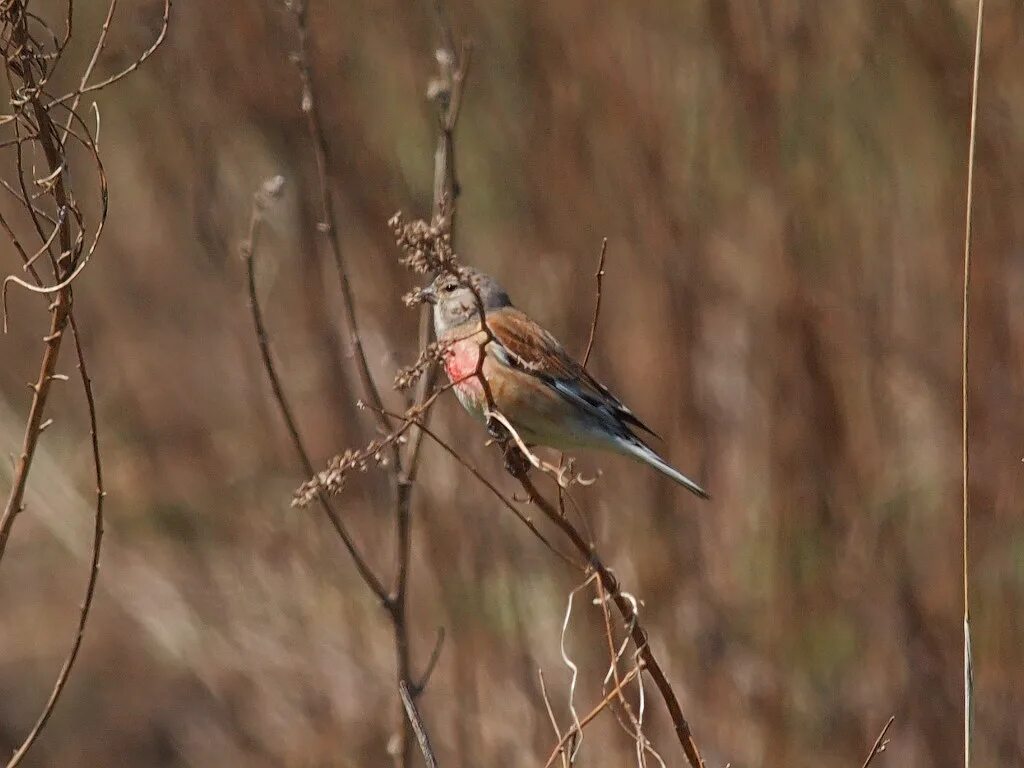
{"x":516,"y":463}
{"x":497,"y":431}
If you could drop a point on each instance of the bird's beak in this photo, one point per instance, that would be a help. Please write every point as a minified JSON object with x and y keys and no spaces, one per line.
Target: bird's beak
{"x":428,"y":294}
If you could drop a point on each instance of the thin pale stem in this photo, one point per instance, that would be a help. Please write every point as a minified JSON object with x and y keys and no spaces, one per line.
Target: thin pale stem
{"x":968,"y":665}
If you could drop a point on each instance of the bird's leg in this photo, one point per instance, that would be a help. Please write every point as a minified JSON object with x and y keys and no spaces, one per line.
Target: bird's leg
{"x":516,"y":464}
{"x":497,"y":431}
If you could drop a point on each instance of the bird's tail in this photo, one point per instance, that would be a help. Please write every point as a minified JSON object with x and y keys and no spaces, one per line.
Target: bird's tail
{"x":640,"y":451}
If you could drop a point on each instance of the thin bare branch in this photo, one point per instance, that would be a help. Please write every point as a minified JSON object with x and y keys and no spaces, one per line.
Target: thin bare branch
{"x":428,"y":670}
{"x":599,"y":280}
{"x":402,"y":469}
{"x":613,"y":654}
{"x":261,"y":199}
{"x":551,"y":717}
{"x":326,"y":226}
{"x":447,"y":447}
{"x":637,"y":632}
{"x":61,"y":306}
{"x":46,"y":195}
{"x":968,"y":667}
{"x":409,"y":702}
{"x":880,"y":743}
{"x":165,"y":23}
{"x":94,"y":564}
{"x":586,"y":719}
{"x":446,"y":91}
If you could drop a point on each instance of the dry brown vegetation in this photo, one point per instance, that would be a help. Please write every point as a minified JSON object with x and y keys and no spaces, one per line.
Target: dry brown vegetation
{"x":781,"y":186}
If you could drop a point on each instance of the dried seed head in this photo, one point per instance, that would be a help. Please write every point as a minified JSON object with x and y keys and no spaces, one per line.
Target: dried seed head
{"x":409,"y":375}
{"x":414,"y":298}
{"x":425,"y":247}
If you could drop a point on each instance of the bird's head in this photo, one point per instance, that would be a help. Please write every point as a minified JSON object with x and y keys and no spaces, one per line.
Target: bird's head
{"x":454,"y":301}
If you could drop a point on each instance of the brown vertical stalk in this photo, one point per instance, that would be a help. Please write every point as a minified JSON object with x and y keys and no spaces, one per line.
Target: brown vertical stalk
{"x":20,"y":63}
{"x":402,"y":469}
{"x":446,"y":91}
{"x":94,"y":565}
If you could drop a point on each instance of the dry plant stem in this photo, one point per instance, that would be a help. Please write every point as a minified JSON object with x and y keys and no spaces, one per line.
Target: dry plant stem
{"x":83,"y":88}
{"x":96,"y":51}
{"x":880,"y":743}
{"x":428,"y":670}
{"x":967,"y":661}
{"x":636,"y":730}
{"x":551,"y":717}
{"x":23,"y":59}
{"x":637,"y":632}
{"x":444,"y":174}
{"x":403,"y":477}
{"x":453,"y":71}
{"x":417,"y":725}
{"x":396,"y":605}
{"x":447,"y":448}
{"x":249,"y":252}
{"x":326,"y":225}
{"x":40,"y":392}
{"x":613,"y":656}
{"x":121,"y":74}
{"x":94,"y":566}
{"x":60,"y":307}
{"x":599,"y":279}
{"x":585,"y":720}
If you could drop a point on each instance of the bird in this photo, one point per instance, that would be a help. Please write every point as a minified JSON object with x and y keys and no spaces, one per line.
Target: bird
{"x":545,"y":394}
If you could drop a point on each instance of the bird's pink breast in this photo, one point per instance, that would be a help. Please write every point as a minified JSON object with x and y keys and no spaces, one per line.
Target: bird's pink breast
{"x":461,"y":363}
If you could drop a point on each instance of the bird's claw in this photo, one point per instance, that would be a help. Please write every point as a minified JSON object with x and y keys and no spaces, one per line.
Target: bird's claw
{"x":497,"y":430}
{"x":516,"y":464}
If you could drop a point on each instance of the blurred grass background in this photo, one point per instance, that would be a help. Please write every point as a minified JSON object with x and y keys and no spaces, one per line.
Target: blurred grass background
{"x":782,"y":186}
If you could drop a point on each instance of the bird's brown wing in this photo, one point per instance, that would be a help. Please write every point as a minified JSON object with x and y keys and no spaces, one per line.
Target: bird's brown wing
{"x":529,"y":348}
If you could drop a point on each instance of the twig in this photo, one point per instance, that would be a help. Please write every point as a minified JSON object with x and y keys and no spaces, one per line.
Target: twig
{"x":444,"y":174}
{"x":94,"y":565}
{"x":551,"y":717}
{"x":613,"y":654}
{"x":428,"y":670}
{"x":27,"y":67}
{"x":643,"y":744}
{"x":402,"y":470}
{"x":96,"y":51}
{"x":270,"y":189}
{"x":637,"y":632}
{"x":409,"y":702}
{"x":585,"y":720}
{"x":165,"y":23}
{"x":61,"y":306}
{"x":572,"y":667}
{"x":446,"y":90}
{"x":880,"y":743}
{"x":968,"y":663}
{"x":608,"y":582}
{"x":599,"y":279}
{"x":445,"y":446}
{"x":326,"y":226}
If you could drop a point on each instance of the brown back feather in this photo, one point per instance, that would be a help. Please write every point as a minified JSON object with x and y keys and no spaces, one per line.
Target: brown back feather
{"x":537,"y":352}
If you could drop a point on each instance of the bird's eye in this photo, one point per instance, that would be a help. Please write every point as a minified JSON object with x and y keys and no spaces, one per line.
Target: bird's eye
{"x":450,"y":287}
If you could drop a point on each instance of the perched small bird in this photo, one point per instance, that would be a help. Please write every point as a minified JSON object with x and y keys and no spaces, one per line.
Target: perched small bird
{"x":546,"y":395}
